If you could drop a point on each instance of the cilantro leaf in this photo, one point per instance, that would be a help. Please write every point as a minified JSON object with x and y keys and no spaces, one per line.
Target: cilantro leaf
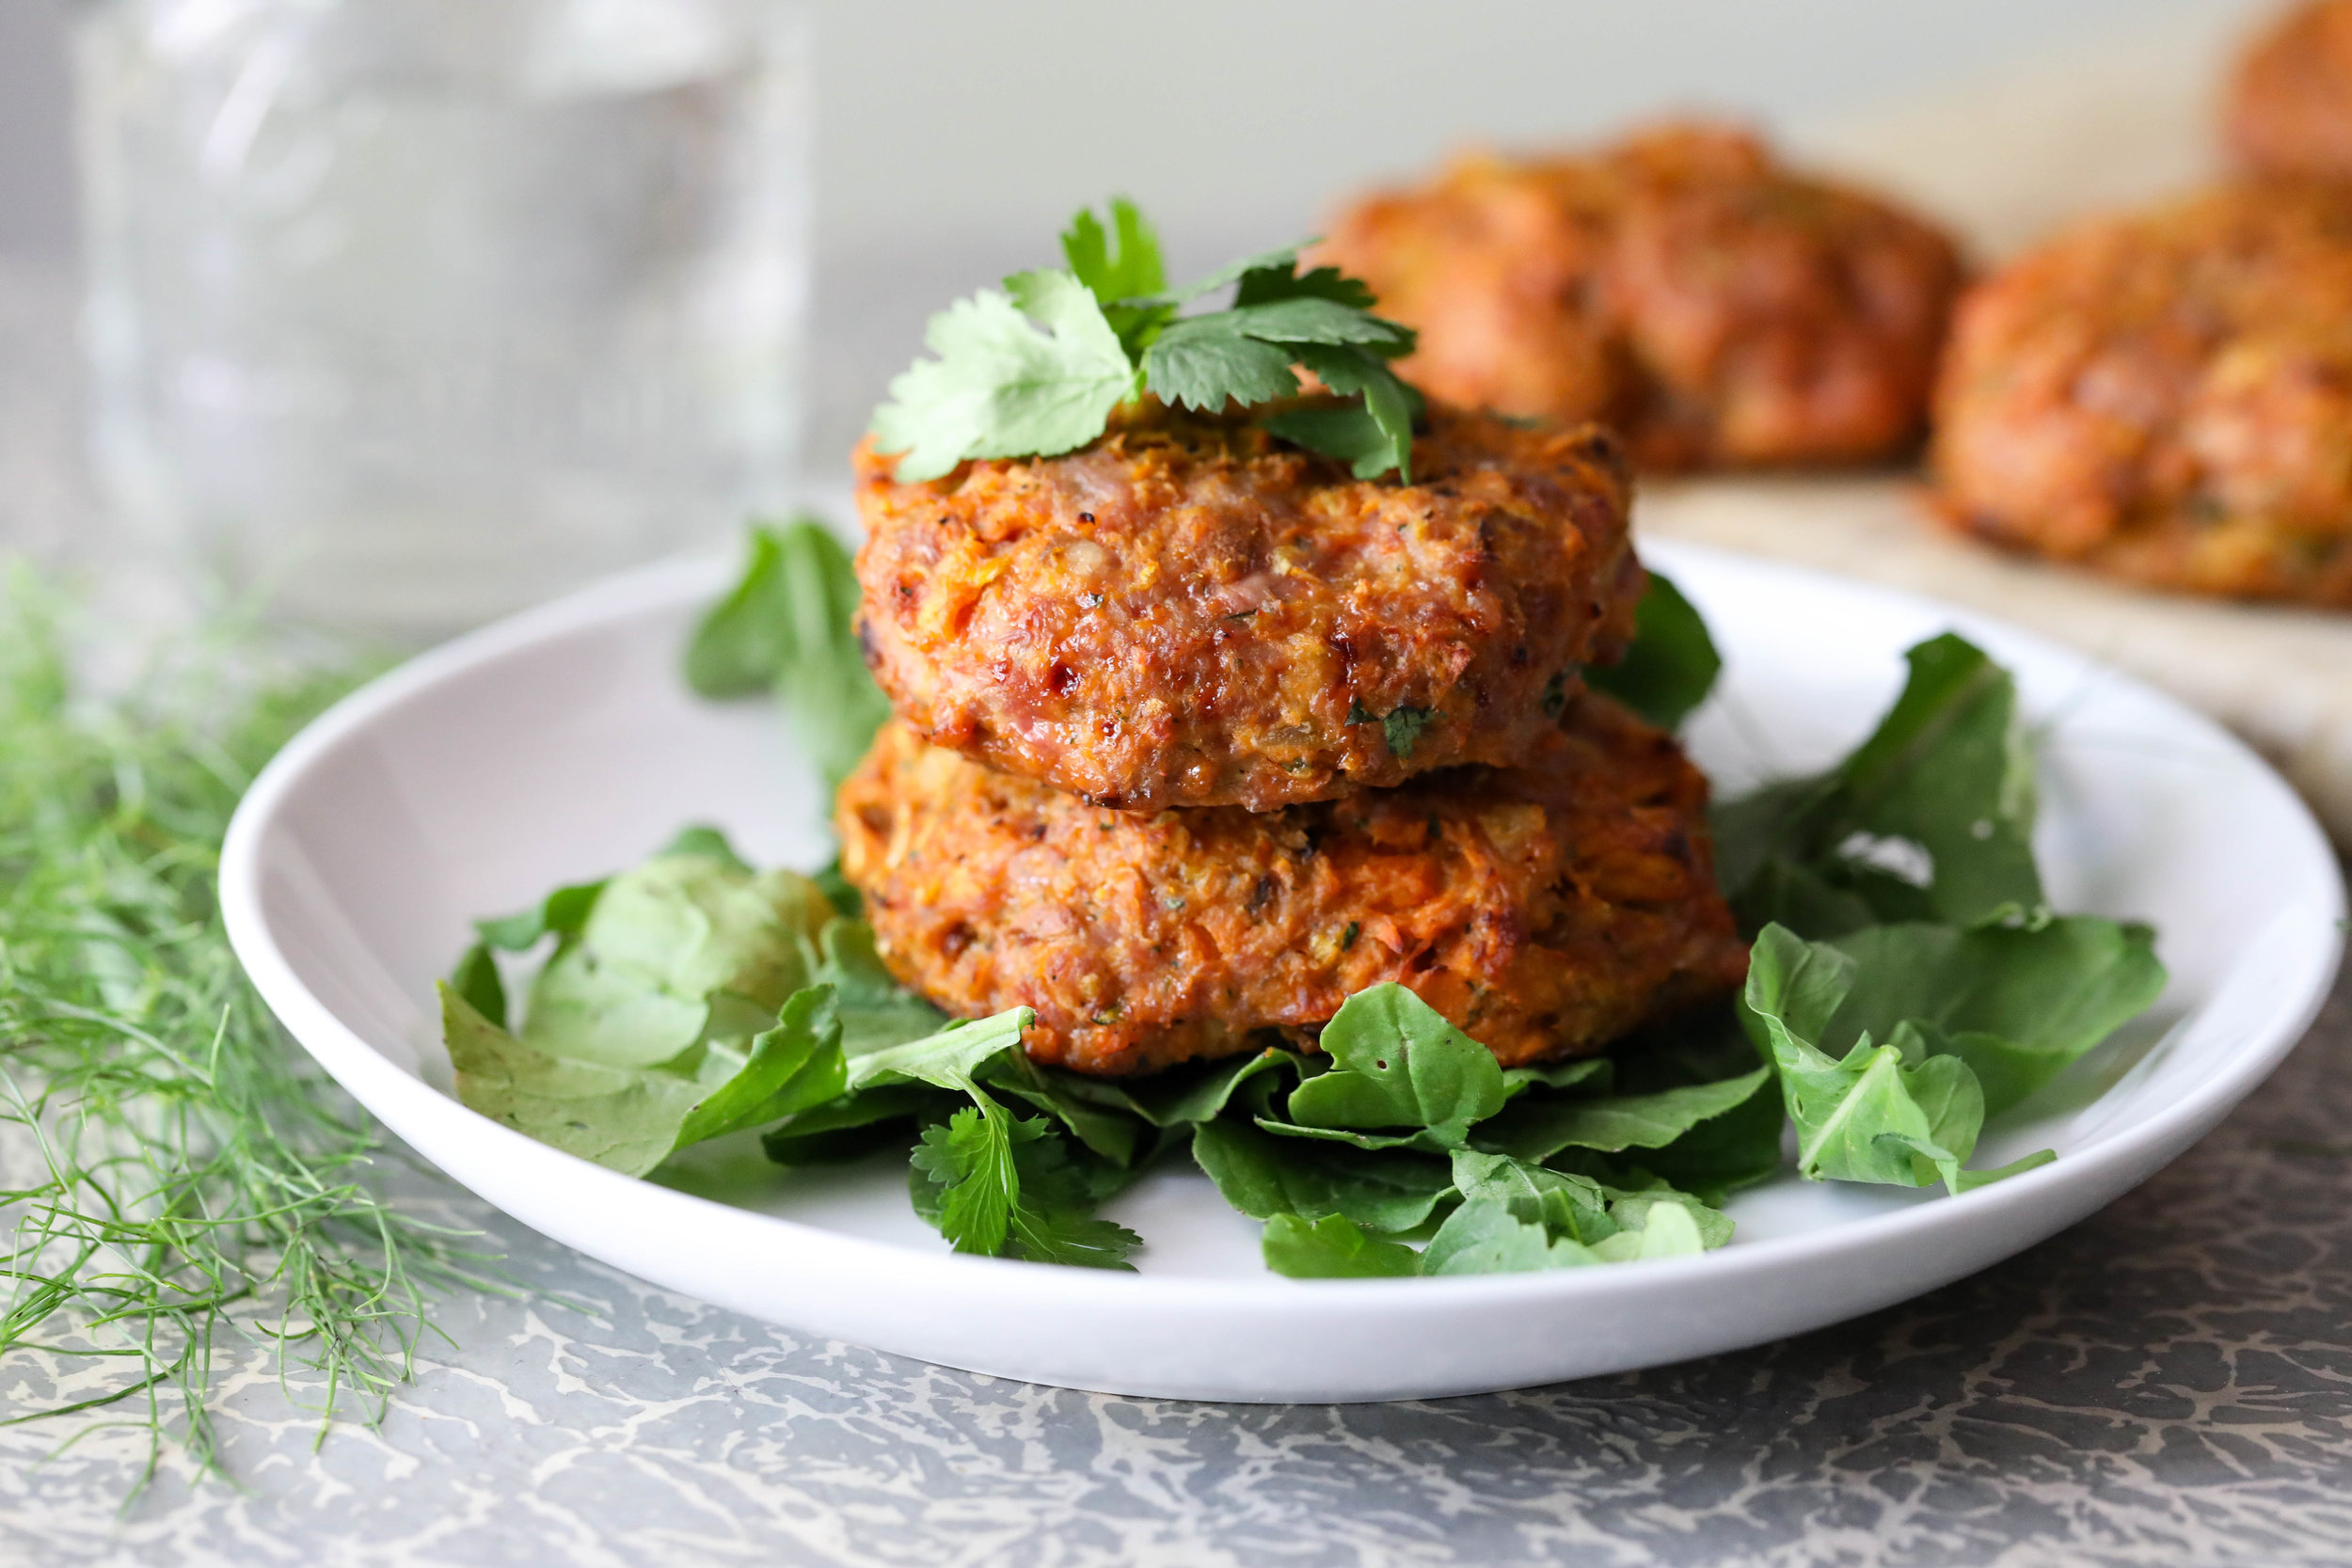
{"x":1202,"y":363}
{"x":999,"y":1186}
{"x":1672,"y":664}
{"x":1034,"y":374}
{"x":1888,"y":1113}
{"x":1037,"y":369}
{"x":1332,"y":1247}
{"x":1276,"y":277}
{"x":1127,"y":270}
{"x":789,"y":627}
{"x":1399,"y":1064}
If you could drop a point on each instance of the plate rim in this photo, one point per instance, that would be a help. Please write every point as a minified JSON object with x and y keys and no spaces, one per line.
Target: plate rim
{"x":367,"y":1074}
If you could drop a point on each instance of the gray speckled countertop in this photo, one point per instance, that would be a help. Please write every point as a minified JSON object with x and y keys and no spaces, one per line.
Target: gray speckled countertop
{"x":2169,"y":1382}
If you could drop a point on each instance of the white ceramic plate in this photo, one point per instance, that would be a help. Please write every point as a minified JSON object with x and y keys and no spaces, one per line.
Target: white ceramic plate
{"x":562,"y":745}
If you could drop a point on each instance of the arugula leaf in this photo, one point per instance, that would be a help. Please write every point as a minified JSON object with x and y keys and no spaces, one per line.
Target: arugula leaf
{"x":1265,"y":1175}
{"x":1949,"y":769}
{"x":1885,"y":1113}
{"x":790,"y":1067}
{"x":1485,"y":1237}
{"x":632,"y":1118}
{"x":1517,"y":1217}
{"x":1399,"y":1064}
{"x":1104,"y":1132}
{"x":476,"y":978}
{"x":1037,"y":369}
{"x":1332,"y":1247}
{"x":1591,"y":1073}
{"x":1672,"y":664}
{"x":1537,"y":1128}
{"x":945,"y":1060}
{"x":701,"y":838}
{"x":2016,"y":1004}
{"x":1181,"y":1096}
{"x":789,"y":626}
{"x":851,"y":1125}
{"x":634,"y":985}
{"x":1722,"y":1154}
{"x":560,"y":914}
{"x":876,"y":1010}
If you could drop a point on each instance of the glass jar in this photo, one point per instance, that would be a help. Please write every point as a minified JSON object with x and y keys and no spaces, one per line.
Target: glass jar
{"x":402,"y":313}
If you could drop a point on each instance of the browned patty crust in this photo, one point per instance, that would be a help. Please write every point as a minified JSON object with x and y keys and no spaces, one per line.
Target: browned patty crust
{"x":1188,"y":612}
{"x":1546,"y":909}
{"x":1713,"y":308}
{"x":2288,"y":109}
{"x":2167,"y":396}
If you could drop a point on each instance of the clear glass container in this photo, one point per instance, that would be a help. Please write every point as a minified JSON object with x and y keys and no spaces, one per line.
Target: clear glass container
{"x":402,"y":313}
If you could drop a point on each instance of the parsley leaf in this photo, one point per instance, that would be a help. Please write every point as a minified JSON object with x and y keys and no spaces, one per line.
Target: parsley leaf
{"x":1037,"y":369}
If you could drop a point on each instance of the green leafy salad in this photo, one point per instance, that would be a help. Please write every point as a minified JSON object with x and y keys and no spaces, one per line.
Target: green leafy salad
{"x":1909,"y":979}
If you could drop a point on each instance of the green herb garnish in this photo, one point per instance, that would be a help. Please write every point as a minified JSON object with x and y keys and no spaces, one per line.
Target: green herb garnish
{"x":1037,"y":369}
{"x":191,"y":1185}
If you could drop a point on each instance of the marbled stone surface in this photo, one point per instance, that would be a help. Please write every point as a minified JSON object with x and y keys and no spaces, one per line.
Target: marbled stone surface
{"x":2169,"y":1382}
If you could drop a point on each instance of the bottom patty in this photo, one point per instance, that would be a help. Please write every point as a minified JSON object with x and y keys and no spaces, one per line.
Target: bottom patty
{"x":1545,"y":908}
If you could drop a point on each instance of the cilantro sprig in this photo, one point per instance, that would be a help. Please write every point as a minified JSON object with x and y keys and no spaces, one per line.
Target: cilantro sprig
{"x":1038,"y":369}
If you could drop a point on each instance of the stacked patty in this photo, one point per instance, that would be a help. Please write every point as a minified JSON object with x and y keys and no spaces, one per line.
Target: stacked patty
{"x":1198,"y":734}
{"x":1680,"y":286}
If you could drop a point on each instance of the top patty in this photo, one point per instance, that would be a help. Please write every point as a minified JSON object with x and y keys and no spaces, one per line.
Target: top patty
{"x":2289,"y":104}
{"x":1188,"y":612}
{"x":2167,"y":395}
{"x":1712,"y":306}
